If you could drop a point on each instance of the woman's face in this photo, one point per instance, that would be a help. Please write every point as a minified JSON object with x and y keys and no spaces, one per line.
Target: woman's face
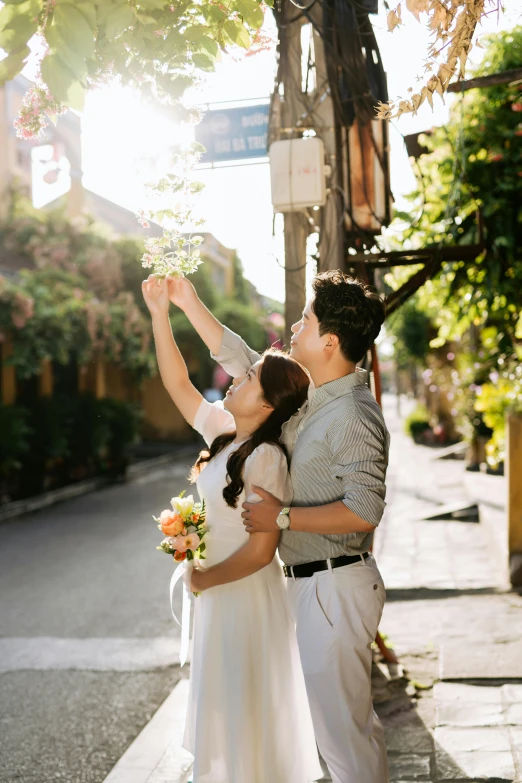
{"x":245,"y":396}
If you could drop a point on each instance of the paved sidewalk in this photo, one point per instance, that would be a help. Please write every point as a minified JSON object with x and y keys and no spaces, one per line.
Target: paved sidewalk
{"x":454,"y":712}
{"x":453,"y":622}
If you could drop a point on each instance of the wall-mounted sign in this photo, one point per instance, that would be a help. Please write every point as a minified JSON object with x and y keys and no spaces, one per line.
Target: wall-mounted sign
{"x":234,"y":134}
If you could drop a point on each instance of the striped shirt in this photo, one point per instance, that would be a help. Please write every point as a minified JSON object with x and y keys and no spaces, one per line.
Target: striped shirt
{"x":339,"y":445}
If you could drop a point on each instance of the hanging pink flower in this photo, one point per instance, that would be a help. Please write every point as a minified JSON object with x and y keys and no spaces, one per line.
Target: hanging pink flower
{"x":36,"y":104}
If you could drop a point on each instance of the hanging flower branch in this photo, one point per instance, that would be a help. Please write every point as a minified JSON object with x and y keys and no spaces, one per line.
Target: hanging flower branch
{"x":177,"y":252}
{"x":453,"y":23}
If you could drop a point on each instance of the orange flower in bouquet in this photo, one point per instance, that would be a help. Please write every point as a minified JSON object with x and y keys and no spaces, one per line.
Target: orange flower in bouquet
{"x":184,"y":526}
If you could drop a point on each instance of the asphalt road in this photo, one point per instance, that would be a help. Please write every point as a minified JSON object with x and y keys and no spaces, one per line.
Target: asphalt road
{"x":87,"y":641}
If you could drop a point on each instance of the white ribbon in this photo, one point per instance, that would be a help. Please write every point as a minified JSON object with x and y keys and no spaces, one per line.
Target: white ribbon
{"x":181,"y":571}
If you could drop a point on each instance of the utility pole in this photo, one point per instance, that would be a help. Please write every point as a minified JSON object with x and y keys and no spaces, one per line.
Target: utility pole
{"x":288,"y":109}
{"x":331,"y":238}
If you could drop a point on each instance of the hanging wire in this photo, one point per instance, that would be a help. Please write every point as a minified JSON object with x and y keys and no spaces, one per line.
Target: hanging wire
{"x":303,"y":8}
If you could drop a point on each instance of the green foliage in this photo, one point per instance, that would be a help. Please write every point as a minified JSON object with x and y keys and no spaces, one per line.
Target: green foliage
{"x":72,"y":301}
{"x":475,"y":163}
{"x":417,"y":422}
{"x":155,"y":46}
{"x":241,"y":285}
{"x":122,"y":421}
{"x":495,"y":401}
{"x":242,"y":319}
{"x":130,"y":251}
{"x":14,"y":436}
{"x":193,"y":349}
{"x":205,"y":286}
{"x":64,"y":438}
{"x":412,"y":329}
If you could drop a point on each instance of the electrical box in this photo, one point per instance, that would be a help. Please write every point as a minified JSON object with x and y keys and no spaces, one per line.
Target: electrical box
{"x":297,"y":174}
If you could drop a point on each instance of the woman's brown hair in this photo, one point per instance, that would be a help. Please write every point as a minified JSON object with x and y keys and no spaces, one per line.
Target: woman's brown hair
{"x":285,"y":387}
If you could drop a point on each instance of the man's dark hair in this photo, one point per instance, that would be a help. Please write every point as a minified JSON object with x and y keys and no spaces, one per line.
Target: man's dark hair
{"x":350,"y":309}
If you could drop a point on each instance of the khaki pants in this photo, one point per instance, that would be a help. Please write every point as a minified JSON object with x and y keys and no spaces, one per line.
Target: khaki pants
{"x":337,"y":613}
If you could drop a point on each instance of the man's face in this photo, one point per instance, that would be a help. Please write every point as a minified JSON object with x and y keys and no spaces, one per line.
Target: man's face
{"x":306,"y":345}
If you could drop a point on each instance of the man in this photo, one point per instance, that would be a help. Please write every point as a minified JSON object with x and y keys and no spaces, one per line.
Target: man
{"x":338,"y":444}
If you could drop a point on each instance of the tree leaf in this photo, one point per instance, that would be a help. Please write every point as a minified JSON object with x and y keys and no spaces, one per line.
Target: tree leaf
{"x":58,"y":77}
{"x":174,"y":42}
{"x":147,"y":19}
{"x":411,"y":5}
{"x":197,"y":187}
{"x":176,"y":86}
{"x":251,"y":12}
{"x":76,"y":96}
{"x":73,"y":29}
{"x":73,"y":59}
{"x":237,"y":33}
{"x":203,"y":61}
{"x":118,"y":19}
{"x":195,"y":32}
{"x":11,"y":65}
{"x":152,"y":5}
{"x":214,"y":13}
{"x":89,"y":12}
{"x":17,"y":30}
{"x":209,"y":45}
{"x":393,"y":21}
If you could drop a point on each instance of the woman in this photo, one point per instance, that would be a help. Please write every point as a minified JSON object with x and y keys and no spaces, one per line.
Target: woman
{"x":248,"y":718}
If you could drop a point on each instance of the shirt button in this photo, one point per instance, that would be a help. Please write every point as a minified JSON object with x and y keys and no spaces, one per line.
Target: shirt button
{"x":375,"y":587}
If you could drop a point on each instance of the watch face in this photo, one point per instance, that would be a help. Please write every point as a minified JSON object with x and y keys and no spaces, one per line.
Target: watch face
{"x":283,"y":521}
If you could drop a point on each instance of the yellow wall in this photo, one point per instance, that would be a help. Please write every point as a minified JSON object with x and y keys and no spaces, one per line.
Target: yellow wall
{"x":163,"y":420}
{"x":8,"y":375}
{"x":119,"y":386}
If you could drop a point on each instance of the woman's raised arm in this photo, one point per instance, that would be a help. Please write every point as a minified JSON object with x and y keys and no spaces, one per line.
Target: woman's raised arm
{"x":172,"y":367}
{"x":226,"y":347}
{"x":183,"y":294}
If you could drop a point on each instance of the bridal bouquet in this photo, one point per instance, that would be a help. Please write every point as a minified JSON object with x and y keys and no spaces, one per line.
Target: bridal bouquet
{"x":184,"y":527}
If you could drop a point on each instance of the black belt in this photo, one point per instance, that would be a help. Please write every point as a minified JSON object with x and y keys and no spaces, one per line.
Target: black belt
{"x":307,"y":569}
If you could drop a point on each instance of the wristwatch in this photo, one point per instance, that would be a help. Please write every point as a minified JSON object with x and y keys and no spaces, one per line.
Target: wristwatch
{"x":283,"y":519}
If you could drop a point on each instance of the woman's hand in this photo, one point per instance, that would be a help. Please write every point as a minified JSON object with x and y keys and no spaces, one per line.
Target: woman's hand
{"x":198,"y":580}
{"x":156,"y":294}
{"x":181,"y":292}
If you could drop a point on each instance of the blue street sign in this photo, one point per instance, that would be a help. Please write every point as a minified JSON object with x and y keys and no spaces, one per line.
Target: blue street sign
{"x":234,"y":134}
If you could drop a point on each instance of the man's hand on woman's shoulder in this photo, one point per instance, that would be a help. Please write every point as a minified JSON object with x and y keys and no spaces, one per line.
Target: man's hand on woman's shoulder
{"x":261,"y":517}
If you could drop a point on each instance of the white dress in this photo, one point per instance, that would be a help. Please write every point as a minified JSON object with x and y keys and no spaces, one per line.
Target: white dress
{"x":248,"y":717}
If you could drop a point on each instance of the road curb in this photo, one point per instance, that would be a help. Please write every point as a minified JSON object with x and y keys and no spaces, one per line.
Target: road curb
{"x":156,"y":754}
{"x":19,"y":508}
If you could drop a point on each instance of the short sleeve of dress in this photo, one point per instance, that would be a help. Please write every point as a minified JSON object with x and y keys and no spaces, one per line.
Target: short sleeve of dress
{"x":267,"y":467}
{"x":212,"y":419}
